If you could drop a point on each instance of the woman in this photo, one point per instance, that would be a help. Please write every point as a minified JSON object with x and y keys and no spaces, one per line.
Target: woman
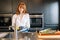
{"x":21,"y":19}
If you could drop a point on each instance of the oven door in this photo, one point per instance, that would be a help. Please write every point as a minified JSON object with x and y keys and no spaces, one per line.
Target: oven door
{"x":5,"y":21}
{"x":36,"y":22}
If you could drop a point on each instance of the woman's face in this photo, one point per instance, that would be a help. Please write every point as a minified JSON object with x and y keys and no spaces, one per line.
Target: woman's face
{"x":21,"y":9}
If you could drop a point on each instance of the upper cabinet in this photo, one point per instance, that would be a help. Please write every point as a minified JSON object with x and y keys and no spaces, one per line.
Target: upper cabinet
{"x":9,"y":6}
{"x":5,"y":6}
{"x":33,"y":6}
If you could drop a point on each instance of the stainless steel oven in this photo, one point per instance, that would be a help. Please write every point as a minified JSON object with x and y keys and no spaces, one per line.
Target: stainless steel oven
{"x":5,"y":19}
{"x":5,"y":22}
{"x":37,"y":20}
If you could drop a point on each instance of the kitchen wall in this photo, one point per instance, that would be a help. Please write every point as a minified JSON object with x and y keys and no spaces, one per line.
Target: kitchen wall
{"x":51,"y":14}
{"x":49,"y":8}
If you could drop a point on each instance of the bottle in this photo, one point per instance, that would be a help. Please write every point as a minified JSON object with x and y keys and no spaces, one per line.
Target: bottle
{"x":17,"y":28}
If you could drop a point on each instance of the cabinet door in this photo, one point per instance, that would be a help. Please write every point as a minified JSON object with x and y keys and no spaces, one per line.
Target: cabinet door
{"x":5,"y":6}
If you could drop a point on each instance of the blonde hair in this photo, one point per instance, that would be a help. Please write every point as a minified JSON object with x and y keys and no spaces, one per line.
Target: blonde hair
{"x":23,"y":5}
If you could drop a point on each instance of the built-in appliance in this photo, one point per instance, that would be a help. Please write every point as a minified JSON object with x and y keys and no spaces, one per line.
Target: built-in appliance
{"x":5,"y":19}
{"x":37,"y":21}
{"x":5,"y":22}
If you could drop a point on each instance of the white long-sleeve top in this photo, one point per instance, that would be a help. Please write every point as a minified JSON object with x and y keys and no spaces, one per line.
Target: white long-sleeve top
{"x":17,"y":21}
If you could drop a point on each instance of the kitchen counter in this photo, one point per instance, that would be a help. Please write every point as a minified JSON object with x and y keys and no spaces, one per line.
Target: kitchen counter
{"x":55,"y":35}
